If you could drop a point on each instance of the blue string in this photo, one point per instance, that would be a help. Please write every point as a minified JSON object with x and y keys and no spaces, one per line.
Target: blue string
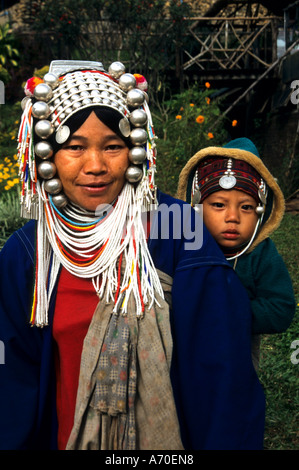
{"x":85,"y":224}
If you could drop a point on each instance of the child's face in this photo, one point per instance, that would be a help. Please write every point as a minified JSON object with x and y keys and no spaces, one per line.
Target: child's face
{"x":230,"y":217}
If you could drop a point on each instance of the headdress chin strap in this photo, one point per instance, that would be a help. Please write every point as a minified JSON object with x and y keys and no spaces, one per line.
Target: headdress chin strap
{"x":68,"y":87}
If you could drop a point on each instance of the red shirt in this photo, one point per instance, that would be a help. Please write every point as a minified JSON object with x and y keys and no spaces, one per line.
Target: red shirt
{"x":75,"y":304}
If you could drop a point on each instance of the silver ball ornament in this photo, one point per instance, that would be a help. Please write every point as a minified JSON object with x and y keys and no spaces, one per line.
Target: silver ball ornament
{"x":43,"y":92}
{"x":60,"y":200}
{"x":24,"y":102}
{"x":116,"y":69}
{"x":137,"y":155}
{"x":259,"y":210}
{"x":133,"y":174}
{"x":138,"y":136}
{"x":46,"y":170}
{"x":53,"y":186}
{"x":135,"y":97}
{"x":43,"y":150}
{"x":51,"y":79}
{"x":127,"y":81}
{"x":40,"y":110}
{"x":138,"y":118}
{"x":44,"y":129}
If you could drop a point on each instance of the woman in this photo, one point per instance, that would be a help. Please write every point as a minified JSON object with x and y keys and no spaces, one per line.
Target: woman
{"x":145,"y":344}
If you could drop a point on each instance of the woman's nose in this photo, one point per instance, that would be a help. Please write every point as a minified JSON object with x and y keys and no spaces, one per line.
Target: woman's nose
{"x":95,"y":162}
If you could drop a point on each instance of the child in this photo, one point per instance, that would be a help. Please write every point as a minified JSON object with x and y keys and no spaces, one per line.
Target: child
{"x":242,"y":205}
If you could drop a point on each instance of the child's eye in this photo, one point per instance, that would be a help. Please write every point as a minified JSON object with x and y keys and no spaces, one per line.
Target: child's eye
{"x":218,"y":204}
{"x":247,"y":207}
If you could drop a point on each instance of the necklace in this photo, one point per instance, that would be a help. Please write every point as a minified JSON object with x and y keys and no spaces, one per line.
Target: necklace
{"x":109,"y":248}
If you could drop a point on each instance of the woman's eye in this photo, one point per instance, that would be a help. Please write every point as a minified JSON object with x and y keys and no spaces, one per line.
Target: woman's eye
{"x":73,"y":147}
{"x":113,"y":147}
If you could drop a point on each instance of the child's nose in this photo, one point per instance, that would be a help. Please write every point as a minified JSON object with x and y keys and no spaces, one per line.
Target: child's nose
{"x":232,"y":215}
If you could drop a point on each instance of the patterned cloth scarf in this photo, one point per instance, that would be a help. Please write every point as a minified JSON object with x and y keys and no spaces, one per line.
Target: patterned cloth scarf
{"x":125,"y":399}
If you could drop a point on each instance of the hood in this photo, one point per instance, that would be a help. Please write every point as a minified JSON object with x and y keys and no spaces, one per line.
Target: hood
{"x":239,"y":149}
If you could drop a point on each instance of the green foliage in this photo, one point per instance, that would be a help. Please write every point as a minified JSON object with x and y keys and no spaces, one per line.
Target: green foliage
{"x":184,"y":125}
{"x":10,"y":219}
{"x":278,"y":374}
{"x":8,"y":51}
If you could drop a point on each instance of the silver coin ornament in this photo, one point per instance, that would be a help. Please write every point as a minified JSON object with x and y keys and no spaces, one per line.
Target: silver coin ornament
{"x":46,"y":170}
{"x":134,"y":174}
{"x":43,"y":92}
{"x":137,"y":155}
{"x":227,"y":181}
{"x":53,"y":186}
{"x":262,"y":197}
{"x":62,"y":134}
{"x":138,"y":118}
{"x":59,"y":200}
{"x":196,"y":197}
{"x":138,"y":136}
{"x":40,"y":110}
{"x":44,"y":129}
{"x":43,"y":150}
{"x":124,"y":127}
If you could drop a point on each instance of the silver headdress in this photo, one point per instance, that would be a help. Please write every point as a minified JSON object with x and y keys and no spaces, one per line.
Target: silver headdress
{"x":68,"y":87}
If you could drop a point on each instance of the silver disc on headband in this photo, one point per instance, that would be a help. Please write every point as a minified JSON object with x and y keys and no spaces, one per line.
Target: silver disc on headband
{"x":227,"y":181}
{"x":124,"y":127}
{"x":262,"y":197}
{"x":62,"y":134}
{"x":196,"y":197}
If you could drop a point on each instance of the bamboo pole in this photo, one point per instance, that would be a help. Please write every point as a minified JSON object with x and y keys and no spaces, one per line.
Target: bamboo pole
{"x":256,"y":82}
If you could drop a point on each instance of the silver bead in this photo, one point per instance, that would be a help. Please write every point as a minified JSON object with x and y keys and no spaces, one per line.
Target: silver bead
{"x":137,"y":155}
{"x":43,"y":92}
{"x":44,"y":129}
{"x":259,"y":210}
{"x":138,"y":118}
{"x":40,"y":110}
{"x":43,"y":150}
{"x":24,"y":102}
{"x":133,"y":174}
{"x":60,"y":200}
{"x":135,"y":97}
{"x":51,"y":79}
{"x":116,"y":69}
{"x":46,"y":170}
{"x":53,"y":186}
{"x":138,"y":136}
{"x":127,"y":81}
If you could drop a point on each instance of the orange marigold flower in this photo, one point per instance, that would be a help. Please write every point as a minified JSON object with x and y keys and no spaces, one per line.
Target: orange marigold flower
{"x":234,"y":123}
{"x":207,"y":85}
{"x":178,"y":117}
{"x":210,"y":135}
{"x":208,"y":100}
{"x":191,"y":104}
{"x":200,"y":119}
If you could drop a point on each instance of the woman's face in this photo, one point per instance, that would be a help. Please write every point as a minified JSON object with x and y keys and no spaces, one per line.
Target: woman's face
{"x":92,"y":164}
